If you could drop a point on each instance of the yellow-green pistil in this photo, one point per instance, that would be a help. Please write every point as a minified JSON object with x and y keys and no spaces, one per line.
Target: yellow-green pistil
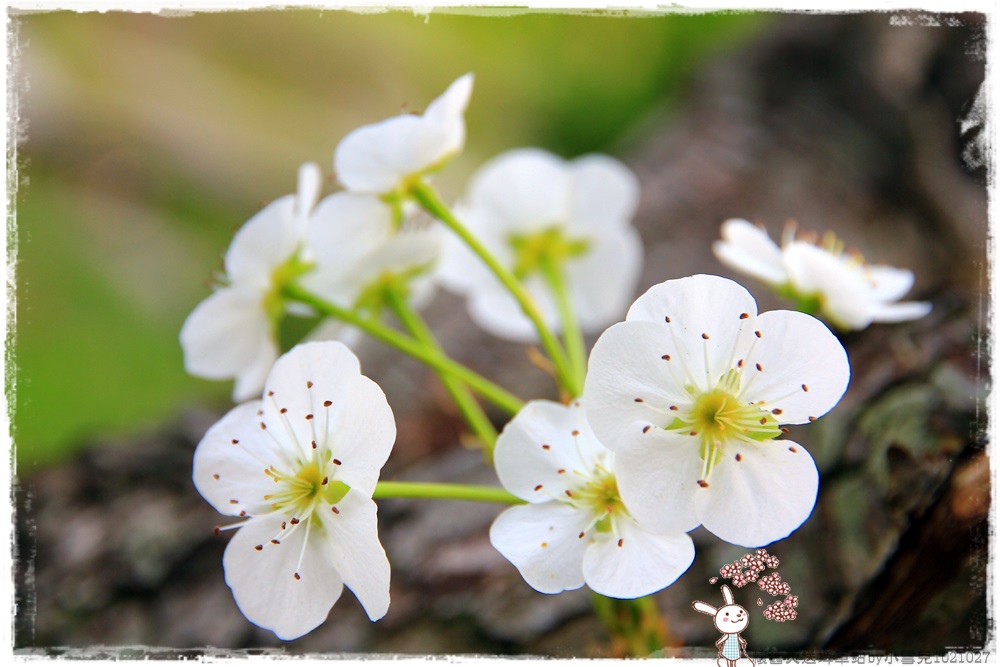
{"x":600,"y":496}
{"x":547,"y":248}
{"x":301,"y":493}
{"x":719,"y":416}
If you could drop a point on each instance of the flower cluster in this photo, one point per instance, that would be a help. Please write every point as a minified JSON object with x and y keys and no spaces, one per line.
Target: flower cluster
{"x":773,"y":584}
{"x":299,"y":467}
{"x":782,"y":610}
{"x":747,"y":569}
{"x":739,"y":576}
{"x":677,"y":420}
{"x":821,"y":277}
{"x":345,"y":249}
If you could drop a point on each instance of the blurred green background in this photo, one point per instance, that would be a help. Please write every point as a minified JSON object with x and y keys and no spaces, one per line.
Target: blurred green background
{"x":145,"y":141}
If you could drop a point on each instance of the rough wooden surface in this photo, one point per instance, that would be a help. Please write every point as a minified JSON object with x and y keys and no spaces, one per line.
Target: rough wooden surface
{"x":843,"y":122}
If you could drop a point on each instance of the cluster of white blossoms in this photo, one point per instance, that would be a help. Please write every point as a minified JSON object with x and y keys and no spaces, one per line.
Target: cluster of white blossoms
{"x":823,"y":279}
{"x":679,"y":427}
{"x":680,"y":422}
{"x":342,"y":248}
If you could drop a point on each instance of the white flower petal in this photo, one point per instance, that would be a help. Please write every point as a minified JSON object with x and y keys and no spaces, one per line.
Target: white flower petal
{"x":888,"y":283}
{"x":310,"y":182}
{"x":461,"y":270}
{"x":327,"y":400}
{"x":496,"y":312}
{"x":761,"y":498}
{"x":346,"y":226}
{"x":405,"y":252}
{"x":845,"y":295}
{"x":357,"y":243}
{"x":229,"y":335}
{"x":351,"y":541}
{"x":747,"y":248}
{"x":264,"y":243}
{"x":250,"y":380}
{"x":900,"y":312}
{"x":601,"y":296}
{"x":804,"y":368}
{"x":521,"y":191}
{"x":643,"y":563}
{"x":708,"y":320}
{"x":657,"y":474}
{"x":451,"y":105}
{"x":604,"y":193}
{"x":543,"y":439}
{"x":628,"y":362}
{"x":375,"y":158}
{"x":264,"y":584}
{"x":541,"y":541}
{"x":230,"y":460}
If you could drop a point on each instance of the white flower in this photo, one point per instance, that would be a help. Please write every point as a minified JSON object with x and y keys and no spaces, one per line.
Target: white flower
{"x":575,"y":528}
{"x":538,"y":213}
{"x":379,"y":158}
{"x":824,"y":279}
{"x":300,"y":466}
{"x":359,"y":246}
{"x":370,"y":233}
{"x":690,"y":392}
{"x":231,"y":334}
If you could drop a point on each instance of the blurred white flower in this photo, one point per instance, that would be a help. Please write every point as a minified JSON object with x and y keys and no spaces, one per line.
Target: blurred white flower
{"x":379,"y":158}
{"x":690,"y":392}
{"x":232,"y":333}
{"x":359,"y":248}
{"x":823,"y":279}
{"x":538,"y":214}
{"x":575,"y":528}
{"x":300,"y":467}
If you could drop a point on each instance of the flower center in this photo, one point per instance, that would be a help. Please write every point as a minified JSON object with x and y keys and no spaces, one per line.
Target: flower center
{"x":389,"y":286}
{"x":299,"y":494}
{"x":544,"y":250}
{"x":600,"y":496}
{"x":719,"y":417}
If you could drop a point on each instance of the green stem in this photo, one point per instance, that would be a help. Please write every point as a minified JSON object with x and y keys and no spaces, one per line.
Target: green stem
{"x":467,"y":404}
{"x":436,"y":360}
{"x":441,"y":491}
{"x":636,"y":627}
{"x":572,"y":334}
{"x":428,"y":199}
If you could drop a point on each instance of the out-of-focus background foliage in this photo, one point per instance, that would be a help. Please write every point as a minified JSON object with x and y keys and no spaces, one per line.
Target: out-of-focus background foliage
{"x":147,"y":140}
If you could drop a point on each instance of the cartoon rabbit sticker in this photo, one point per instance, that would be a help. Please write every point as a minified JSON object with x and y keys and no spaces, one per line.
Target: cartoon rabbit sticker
{"x":730,"y":619}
